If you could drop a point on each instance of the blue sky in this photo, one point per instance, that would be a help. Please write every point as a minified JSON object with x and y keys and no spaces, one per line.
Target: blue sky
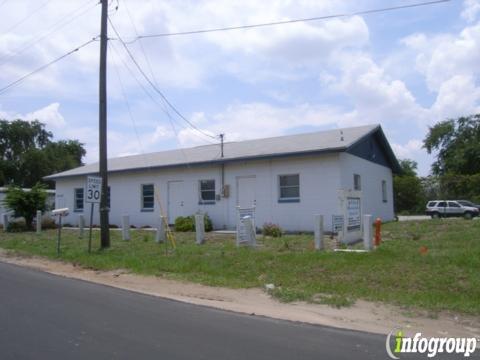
{"x":406,"y":70}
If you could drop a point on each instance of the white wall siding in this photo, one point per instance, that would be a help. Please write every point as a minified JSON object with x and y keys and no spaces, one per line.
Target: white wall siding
{"x":319,"y":181}
{"x":372,"y":175}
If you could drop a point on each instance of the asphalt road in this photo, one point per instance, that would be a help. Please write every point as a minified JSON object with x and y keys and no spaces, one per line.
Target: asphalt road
{"x":43,"y":316}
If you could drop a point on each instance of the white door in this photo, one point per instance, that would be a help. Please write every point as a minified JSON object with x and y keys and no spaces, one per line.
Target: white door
{"x":246,"y":191}
{"x":175,"y":200}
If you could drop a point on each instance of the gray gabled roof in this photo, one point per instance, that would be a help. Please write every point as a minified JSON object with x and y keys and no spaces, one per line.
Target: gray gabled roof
{"x":315,"y":142}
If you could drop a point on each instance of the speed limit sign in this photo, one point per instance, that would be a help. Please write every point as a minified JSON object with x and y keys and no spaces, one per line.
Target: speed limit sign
{"x":93,"y":190}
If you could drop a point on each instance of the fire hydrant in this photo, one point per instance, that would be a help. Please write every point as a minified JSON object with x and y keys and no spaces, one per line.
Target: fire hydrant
{"x":378,"y":231}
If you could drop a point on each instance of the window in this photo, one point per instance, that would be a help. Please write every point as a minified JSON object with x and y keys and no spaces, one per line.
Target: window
{"x":357,"y":184}
{"x":78,"y":201}
{"x":384,"y":191}
{"x":289,"y":188}
{"x":442,"y":204}
{"x":147,"y":197}
{"x":453,"y":204}
{"x":207,"y":191}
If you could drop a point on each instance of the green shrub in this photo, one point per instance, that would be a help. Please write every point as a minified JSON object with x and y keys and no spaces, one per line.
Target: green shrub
{"x":272,"y":230}
{"x":48,"y":223}
{"x":187,"y":223}
{"x":184,"y":223}
{"x":25,"y":203}
{"x":17,"y":225}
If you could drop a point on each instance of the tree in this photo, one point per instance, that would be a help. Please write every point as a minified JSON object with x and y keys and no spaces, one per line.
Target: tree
{"x":408,"y":190}
{"x":25,"y":203}
{"x":457,"y":143}
{"x":27,"y":153}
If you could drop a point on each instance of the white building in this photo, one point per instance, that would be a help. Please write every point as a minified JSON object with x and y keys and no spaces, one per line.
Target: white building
{"x":288,"y":179}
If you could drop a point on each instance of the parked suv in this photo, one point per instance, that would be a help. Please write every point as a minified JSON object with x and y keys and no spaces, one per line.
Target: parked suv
{"x":445,"y":208}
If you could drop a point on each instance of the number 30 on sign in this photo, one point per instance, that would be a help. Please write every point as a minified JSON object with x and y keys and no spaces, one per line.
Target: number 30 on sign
{"x":94,"y":189}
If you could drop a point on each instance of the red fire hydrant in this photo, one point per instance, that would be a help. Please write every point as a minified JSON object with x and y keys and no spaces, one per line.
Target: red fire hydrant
{"x":378,"y":231}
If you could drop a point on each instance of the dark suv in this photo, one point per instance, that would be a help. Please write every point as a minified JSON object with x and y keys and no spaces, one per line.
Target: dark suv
{"x":447,"y":208}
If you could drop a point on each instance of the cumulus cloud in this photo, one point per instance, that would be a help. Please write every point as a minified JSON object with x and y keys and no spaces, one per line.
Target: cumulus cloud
{"x":471,"y":9}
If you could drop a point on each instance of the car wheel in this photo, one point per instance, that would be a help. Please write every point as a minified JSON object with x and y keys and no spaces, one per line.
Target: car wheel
{"x":435,"y":216}
{"x":468,"y":215}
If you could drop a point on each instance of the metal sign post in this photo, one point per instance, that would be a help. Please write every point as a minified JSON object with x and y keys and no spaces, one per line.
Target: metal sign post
{"x":93,"y":194}
{"x":60,"y":213}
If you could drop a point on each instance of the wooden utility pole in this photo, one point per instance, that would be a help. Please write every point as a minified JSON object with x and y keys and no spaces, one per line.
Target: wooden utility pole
{"x":104,"y":228}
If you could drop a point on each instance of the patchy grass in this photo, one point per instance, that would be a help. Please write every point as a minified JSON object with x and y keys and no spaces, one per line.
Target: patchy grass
{"x":430,"y":265}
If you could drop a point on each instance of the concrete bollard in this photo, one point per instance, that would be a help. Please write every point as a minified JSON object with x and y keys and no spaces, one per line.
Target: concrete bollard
{"x":199,"y":229}
{"x":81,"y":224}
{"x":160,"y":235}
{"x":318,"y":230}
{"x":367,"y":232}
{"x":39,"y":222}
{"x":5,"y":221}
{"x":125,"y":227}
{"x":249,"y":231}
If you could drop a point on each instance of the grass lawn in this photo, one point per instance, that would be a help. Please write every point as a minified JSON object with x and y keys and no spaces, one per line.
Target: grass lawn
{"x":446,"y":277}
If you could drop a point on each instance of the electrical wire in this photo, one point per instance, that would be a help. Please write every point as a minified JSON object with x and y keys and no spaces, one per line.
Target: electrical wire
{"x":27,"y":17}
{"x":57,"y":26}
{"x":21,"y":79}
{"x":275,"y":23}
{"x":155,"y":87}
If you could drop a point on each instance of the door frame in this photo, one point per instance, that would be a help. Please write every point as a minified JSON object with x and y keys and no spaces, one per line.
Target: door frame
{"x":169,"y":182}
{"x":237,"y":202}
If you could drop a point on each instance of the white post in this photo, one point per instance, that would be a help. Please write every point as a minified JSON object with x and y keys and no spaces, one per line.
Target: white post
{"x":81,"y":224}
{"x":39,"y":221}
{"x":199,"y":229}
{"x":318,"y":230}
{"x":125,"y":227}
{"x":160,"y":235}
{"x":367,"y":232}
{"x":249,"y":231}
{"x":5,"y":222}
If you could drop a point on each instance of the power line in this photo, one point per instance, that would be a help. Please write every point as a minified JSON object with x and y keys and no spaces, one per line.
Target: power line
{"x":155,"y":100}
{"x":16,"y":82}
{"x":274,"y":23}
{"x":155,"y":87}
{"x":27,"y":17}
{"x":57,"y":26}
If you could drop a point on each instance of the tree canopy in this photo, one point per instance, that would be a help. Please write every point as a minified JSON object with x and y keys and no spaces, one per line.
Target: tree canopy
{"x":457,"y":144}
{"x":27,"y":153}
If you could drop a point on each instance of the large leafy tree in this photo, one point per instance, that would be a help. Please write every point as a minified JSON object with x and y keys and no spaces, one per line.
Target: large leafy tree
{"x":457,"y":144}
{"x":408,"y":190}
{"x":27,"y":153}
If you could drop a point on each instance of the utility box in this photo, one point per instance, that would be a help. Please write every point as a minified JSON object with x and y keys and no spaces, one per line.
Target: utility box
{"x":226,"y":191}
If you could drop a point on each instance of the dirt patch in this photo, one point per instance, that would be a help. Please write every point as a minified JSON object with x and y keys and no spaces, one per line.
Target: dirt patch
{"x":363,"y":316}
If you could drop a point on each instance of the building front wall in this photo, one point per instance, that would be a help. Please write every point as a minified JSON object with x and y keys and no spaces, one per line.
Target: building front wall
{"x":371,"y":177}
{"x":319,"y":179}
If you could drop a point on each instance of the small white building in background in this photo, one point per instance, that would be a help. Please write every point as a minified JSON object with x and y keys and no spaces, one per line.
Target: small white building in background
{"x":50,"y":202}
{"x":288,"y":179}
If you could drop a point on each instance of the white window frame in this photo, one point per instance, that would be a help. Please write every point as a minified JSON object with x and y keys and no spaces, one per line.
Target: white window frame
{"x":359,"y":177}
{"x":288,"y":199}
{"x":202,"y":201}
{"x":142,"y":198}
{"x":75,"y":200}
{"x":384,"y":191}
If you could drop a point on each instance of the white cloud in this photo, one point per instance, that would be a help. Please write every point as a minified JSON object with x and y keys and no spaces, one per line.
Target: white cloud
{"x":471,"y":9}
{"x":409,"y":150}
{"x":49,"y":115}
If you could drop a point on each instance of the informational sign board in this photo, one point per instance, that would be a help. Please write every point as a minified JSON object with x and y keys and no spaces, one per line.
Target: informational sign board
{"x":337,"y":223}
{"x":354,"y":214}
{"x":93,"y":189}
{"x":243,"y":236}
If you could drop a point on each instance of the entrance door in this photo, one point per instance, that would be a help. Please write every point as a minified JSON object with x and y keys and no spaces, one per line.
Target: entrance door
{"x":175,"y":200}
{"x":246,"y":191}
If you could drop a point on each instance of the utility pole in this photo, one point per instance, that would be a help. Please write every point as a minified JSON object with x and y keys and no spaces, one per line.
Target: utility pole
{"x":104,"y":228}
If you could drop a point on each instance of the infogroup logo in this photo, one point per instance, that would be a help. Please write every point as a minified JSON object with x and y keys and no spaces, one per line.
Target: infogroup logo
{"x":431,"y":346}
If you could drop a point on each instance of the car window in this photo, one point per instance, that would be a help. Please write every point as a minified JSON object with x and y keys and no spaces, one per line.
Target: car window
{"x":441,"y":204}
{"x":453,"y":204}
{"x":431,"y":203}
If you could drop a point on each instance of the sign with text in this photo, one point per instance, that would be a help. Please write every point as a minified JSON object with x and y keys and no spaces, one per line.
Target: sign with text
{"x":354,"y":216}
{"x":93,"y":189}
{"x":337,"y":223}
